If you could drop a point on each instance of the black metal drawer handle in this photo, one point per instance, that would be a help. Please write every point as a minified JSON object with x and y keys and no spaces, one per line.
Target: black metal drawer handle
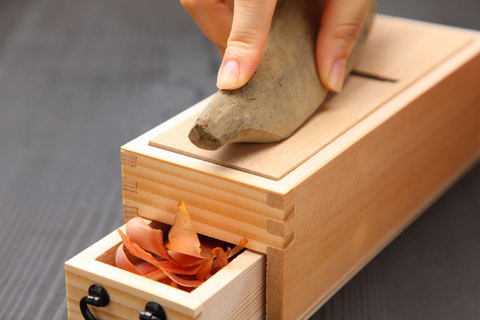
{"x":153,"y":311}
{"x":98,"y":297}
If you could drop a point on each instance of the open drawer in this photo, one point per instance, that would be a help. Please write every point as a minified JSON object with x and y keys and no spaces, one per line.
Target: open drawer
{"x":236,"y":291}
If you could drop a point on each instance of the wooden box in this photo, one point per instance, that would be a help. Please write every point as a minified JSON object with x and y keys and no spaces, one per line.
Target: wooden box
{"x":318,"y":206}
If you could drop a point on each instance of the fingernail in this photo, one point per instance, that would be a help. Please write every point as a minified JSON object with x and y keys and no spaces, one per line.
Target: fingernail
{"x":337,"y":75}
{"x":228,"y":75}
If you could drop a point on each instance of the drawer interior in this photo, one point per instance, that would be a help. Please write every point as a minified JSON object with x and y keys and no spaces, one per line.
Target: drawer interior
{"x":235,"y":291}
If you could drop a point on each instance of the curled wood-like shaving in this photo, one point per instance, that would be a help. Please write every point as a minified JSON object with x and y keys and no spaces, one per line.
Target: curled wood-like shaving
{"x":137,"y":251}
{"x":182,"y":265}
{"x":183,"y":237}
{"x":123,"y":261}
{"x":146,"y":237}
{"x":206,"y":268}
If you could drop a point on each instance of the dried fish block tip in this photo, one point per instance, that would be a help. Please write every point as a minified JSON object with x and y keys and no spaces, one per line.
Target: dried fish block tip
{"x":284,"y":91}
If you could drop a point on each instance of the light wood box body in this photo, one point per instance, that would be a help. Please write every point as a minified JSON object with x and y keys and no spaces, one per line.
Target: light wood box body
{"x":323,"y":203}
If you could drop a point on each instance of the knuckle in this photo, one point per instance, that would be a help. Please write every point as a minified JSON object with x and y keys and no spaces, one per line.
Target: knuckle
{"x":245,"y":38}
{"x":241,"y":48}
{"x":347,"y":32}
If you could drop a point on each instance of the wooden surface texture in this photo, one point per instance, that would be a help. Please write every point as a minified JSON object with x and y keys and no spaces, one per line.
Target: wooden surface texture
{"x":394,"y":50}
{"x":240,"y":283}
{"x":360,"y":200}
{"x":79,"y":79}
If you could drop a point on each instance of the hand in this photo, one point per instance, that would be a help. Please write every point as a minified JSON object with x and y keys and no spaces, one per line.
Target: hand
{"x":239,"y":29}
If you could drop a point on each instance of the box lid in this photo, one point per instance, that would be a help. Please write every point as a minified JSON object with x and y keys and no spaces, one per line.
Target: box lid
{"x":396,"y":55}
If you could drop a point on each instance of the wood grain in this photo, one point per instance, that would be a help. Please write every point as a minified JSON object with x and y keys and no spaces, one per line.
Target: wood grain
{"x":382,"y":183}
{"x":344,"y":203}
{"x":237,"y":290}
{"x":394,"y":50}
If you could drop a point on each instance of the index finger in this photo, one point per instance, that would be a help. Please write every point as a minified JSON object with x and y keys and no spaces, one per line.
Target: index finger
{"x":250,"y":27}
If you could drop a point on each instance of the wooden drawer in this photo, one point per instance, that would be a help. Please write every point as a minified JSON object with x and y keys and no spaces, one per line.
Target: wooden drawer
{"x":236,"y":291}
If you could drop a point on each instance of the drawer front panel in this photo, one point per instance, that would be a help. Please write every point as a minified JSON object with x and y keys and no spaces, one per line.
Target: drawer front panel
{"x":237,"y":291}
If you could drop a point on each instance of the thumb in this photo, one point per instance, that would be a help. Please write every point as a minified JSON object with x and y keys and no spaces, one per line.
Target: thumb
{"x":250,"y":27}
{"x":340,"y":27}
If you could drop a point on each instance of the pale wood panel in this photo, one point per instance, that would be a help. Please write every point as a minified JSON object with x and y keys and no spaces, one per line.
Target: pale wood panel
{"x":396,"y":50}
{"x":428,"y":44}
{"x":250,"y":286}
{"x":393,"y":106}
{"x":150,"y":176}
{"x":240,"y":283}
{"x":217,"y":226}
{"x":123,"y":305}
{"x":221,"y":209}
{"x":178,"y":170}
{"x":353,"y":206}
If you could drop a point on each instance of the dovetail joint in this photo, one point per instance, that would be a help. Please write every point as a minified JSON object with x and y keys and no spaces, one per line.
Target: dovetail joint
{"x":129,"y":212}
{"x":129,"y":185}
{"x":276,"y":228}
{"x":128,"y":159}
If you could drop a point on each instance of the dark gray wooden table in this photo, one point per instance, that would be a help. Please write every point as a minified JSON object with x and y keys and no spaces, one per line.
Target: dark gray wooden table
{"x":80,"y":78}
